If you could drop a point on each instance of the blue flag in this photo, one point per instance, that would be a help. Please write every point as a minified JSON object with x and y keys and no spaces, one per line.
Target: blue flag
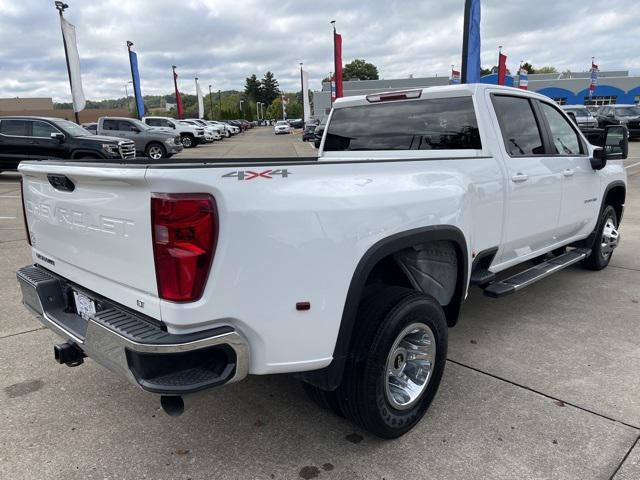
{"x":133,"y":58}
{"x":471,"y":42}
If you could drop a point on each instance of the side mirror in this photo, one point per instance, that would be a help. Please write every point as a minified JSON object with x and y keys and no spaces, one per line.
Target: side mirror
{"x":615,"y":146}
{"x":57,"y":136}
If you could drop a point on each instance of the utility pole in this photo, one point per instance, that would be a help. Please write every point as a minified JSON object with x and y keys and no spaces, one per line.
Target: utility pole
{"x":61,"y":7}
{"x":211,"y":101}
{"x":303,"y":93}
{"x":242,"y":108}
{"x":220,"y":103}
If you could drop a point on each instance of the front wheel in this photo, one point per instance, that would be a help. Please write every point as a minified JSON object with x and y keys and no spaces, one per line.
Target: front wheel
{"x":607,"y":239}
{"x":398,"y":357}
{"x":187,"y":141}
{"x":155,"y":151}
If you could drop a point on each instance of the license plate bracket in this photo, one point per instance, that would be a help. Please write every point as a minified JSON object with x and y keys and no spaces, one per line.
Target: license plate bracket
{"x":85,"y":306}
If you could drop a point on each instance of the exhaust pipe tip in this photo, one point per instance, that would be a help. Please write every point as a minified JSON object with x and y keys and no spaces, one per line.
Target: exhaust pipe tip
{"x":172,"y":405}
{"x":68,"y":354}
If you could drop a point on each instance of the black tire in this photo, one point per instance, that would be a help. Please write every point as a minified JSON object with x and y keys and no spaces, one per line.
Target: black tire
{"x":322,"y":398}
{"x":155,"y":151}
{"x":599,"y":258}
{"x":188,"y":141}
{"x":383,"y":315}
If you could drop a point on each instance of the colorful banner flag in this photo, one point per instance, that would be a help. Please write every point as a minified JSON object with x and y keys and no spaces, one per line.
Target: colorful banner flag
{"x":178,"y":97}
{"x":135,"y":74}
{"x":471,"y":42}
{"x":502,"y":68}
{"x":337,"y":50}
{"x":285,"y":104}
{"x":523,"y":82}
{"x":594,"y":79}
{"x":73,"y":59}
{"x":455,"y":77}
{"x":306,"y":107}
{"x":200,"y":98}
{"x":333,"y":89}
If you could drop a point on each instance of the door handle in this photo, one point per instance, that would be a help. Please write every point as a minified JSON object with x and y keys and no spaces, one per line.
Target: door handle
{"x":568,"y":172}
{"x":520,"y":177}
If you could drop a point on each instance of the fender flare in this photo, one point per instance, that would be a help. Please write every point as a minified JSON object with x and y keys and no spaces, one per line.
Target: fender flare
{"x":589,"y":241}
{"x":77,"y":153}
{"x":329,"y":378}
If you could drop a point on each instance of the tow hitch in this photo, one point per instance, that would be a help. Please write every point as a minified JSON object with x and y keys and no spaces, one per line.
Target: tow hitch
{"x":68,"y":354}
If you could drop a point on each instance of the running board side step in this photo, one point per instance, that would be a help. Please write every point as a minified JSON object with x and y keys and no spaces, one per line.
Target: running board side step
{"x":524,"y":279}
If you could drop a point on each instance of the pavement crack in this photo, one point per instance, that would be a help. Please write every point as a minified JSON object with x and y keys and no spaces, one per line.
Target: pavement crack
{"x":22,"y":333}
{"x":624,"y":459}
{"x":626,"y":268}
{"x":497,"y":377}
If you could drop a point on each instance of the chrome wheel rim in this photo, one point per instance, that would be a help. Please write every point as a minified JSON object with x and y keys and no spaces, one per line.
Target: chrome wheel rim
{"x":155,"y":153}
{"x":186,"y":142}
{"x":610,"y":238}
{"x":409,"y":366}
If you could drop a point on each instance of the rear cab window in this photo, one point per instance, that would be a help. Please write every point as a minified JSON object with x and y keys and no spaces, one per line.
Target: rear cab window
{"x":428,"y":124}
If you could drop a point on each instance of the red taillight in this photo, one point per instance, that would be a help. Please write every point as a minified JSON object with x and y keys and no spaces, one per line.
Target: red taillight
{"x":185,"y":232}
{"x":24,"y":212}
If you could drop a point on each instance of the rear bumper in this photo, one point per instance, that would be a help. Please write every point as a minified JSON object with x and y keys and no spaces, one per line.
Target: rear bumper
{"x":133,"y":346}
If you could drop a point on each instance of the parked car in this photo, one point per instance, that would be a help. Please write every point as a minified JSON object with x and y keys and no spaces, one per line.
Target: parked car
{"x":150,"y":142}
{"x":296,"y":123}
{"x":91,"y":127}
{"x":225,"y":129}
{"x":583,"y":117}
{"x":355,"y":270}
{"x":308,"y":133}
{"x":214,"y":131}
{"x":210,"y":135}
{"x":233,"y":129}
{"x":628,"y":115}
{"x":282,"y":126}
{"x":33,"y":138}
{"x":317,"y":134}
{"x":190,"y":135}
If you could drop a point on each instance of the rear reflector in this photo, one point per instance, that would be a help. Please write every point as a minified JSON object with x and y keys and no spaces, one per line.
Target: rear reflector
{"x":391,"y":96}
{"x":185,"y":233}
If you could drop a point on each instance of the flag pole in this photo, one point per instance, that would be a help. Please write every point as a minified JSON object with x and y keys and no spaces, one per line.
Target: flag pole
{"x":465,"y":41}
{"x":135,"y":97}
{"x":61,"y":7}
{"x":335,"y":65}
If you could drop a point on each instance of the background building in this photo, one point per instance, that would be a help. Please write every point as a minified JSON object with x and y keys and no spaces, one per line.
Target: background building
{"x":565,"y":88}
{"x":43,"y":107}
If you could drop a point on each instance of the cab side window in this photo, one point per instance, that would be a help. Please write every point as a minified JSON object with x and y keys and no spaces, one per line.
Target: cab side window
{"x":18,"y":128}
{"x":518,"y":124}
{"x":125,"y":126}
{"x":43,"y":129}
{"x":153,"y":122}
{"x":110,"y":125}
{"x":564,"y":137}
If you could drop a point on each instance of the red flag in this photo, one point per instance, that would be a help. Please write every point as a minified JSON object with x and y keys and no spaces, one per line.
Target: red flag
{"x":502,"y":68}
{"x":178,"y":97}
{"x":337,"y":49}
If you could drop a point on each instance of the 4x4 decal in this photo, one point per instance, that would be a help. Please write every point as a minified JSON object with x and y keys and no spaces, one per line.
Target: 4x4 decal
{"x":250,"y":174}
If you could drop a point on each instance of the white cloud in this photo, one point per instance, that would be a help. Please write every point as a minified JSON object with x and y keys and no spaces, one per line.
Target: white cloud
{"x":226,"y":41}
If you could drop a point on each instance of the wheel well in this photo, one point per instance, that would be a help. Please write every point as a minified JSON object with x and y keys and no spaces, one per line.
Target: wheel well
{"x":85,"y":154}
{"x":187,"y":134}
{"x":616,"y":197}
{"x":380,"y":265}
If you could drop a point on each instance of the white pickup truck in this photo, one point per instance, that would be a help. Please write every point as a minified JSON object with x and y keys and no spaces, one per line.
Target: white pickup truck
{"x":346,"y":269}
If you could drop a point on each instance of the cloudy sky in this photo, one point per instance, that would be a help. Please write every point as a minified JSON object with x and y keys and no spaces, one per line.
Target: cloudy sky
{"x":224,"y":41}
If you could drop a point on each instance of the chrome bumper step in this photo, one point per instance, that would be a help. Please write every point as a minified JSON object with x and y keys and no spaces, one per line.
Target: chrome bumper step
{"x":523,"y":279}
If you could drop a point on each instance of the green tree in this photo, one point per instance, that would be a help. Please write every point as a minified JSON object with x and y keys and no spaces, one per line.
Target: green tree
{"x":528,"y":67}
{"x":360,"y":69}
{"x":547,"y":69}
{"x":253,"y":88}
{"x":270,"y":88}
{"x":274,"y":111}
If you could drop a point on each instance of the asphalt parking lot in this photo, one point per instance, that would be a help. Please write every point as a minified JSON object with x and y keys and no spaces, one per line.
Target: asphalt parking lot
{"x":541,"y":384}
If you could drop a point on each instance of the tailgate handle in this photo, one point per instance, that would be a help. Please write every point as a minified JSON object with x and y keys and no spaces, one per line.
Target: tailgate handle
{"x":61,"y":182}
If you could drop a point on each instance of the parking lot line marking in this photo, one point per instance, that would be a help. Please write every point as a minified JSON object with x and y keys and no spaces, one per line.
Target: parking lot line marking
{"x":633,"y":165}
{"x":8,"y":218}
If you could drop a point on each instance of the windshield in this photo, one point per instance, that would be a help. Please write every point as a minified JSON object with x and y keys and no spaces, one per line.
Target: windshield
{"x":628,"y":111}
{"x":578,"y":112}
{"x":281,"y":122}
{"x":73,"y":129}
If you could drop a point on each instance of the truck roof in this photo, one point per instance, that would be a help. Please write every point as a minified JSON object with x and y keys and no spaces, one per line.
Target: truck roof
{"x":430,"y":92}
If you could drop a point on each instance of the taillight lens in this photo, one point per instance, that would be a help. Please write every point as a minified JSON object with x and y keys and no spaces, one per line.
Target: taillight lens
{"x":24,"y":212}
{"x":185,"y":232}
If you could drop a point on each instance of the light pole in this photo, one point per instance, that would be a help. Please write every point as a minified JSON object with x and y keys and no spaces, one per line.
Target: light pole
{"x":242,"y":108}
{"x":61,"y":7}
{"x":220,"y":102}
{"x":211,"y":101}
{"x":302,"y":93}
{"x":126,"y":92}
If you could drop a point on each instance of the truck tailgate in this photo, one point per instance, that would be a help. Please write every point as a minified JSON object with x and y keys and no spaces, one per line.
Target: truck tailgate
{"x":94,"y":231}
